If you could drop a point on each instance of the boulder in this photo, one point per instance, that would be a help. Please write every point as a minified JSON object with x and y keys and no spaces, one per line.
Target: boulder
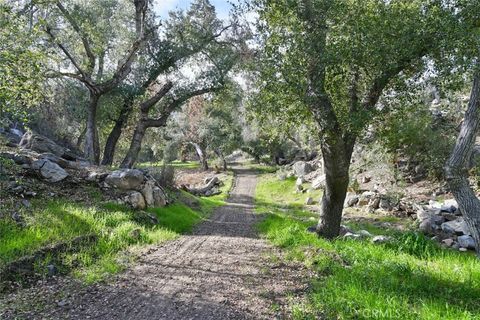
{"x":466,"y":241}
{"x":49,"y":170}
{"x":351,"y":199}
{"x":427,"y":214}
{"x":319,"y":182}
{"x":135,"y":200}
{"x":159,"y":197}
{"x":126,"y":179}
{"x":41,"y":144}
{"x":427,"y":226}
{"x":365,"y":197}
{"x":147,"y":192}
{"x":374,"y":203}
{"x":458,"y":227}
{"x":301,"y":168}
{"x":385,"y":205}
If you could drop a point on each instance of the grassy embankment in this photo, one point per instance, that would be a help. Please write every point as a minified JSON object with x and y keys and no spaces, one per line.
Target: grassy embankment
{"x":119,"y":231}
{"x":410,"y":277}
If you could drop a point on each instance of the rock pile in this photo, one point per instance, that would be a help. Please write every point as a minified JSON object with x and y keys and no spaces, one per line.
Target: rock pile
{"x":445,"y":223}
{"x":53,"y":163}
{"x":140,"y":190}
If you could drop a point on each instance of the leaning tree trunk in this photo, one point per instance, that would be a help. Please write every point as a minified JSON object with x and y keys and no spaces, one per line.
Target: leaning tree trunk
{"x":114,"y":136}
{"x":92,"y":147}
{"x":202,"y":156}
{"x":456,"y":169}
{"x":336,"y":157}
{"x":135,"y":146}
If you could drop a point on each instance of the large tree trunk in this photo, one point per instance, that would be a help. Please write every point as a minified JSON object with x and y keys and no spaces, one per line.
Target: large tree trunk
{"x":202,"y":156}
{"x":336,"y":157}
{"x":92,"y":147}
{"x":456,"y":169}
{"x":135,"y":146}
{"x":114,"y":136}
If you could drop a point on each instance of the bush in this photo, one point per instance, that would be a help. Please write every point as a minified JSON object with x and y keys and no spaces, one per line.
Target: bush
{"x":420,"y":136}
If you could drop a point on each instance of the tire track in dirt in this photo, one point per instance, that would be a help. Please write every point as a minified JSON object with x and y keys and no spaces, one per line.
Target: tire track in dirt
{"x":221,"y":271}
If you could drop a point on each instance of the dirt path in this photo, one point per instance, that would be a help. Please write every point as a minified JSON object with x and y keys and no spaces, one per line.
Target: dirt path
{"x":221,"y":271}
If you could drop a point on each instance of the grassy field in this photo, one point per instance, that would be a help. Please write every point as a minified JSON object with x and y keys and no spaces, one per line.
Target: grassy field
{"x":409,"y":278}
{"x":119,"y":231}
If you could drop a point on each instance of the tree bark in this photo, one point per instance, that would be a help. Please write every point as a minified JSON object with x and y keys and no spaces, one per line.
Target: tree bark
{"x":114,"y":136}
{"x":92,"y":146}
{"x":336,"y":156}
{"x":135,"y":146}
{"x":456,"y":168}
{"x":202,"y":156}
{"x":81,"y":137}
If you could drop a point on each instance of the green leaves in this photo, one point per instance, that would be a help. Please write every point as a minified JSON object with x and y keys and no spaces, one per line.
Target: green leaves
{"x":20,"y":65}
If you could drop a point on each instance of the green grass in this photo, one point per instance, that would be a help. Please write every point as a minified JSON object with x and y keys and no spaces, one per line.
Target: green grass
{"x":409,"y":278}
{"x":281,"y":193}
{"x":120,"y":232}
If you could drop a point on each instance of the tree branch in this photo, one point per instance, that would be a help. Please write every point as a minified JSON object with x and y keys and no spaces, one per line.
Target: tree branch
{"x":176,"y":103}
{"x":149,"y":103}
{"x":83,"y":37}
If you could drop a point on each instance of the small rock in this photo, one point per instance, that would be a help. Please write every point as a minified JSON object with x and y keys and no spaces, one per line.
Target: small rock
{"x":26,"y":203}
{"x":466,"y":241}
{"x":381,"y":239}
{"x":364,"y":233}
{"x":299,"y":181}
{"x":309,"y":201}
{"x":448,"y":242}
{"x":344,"y":230}
{"x":136,"y":200}
{"x":52,"y":270}
{"x":30,"y":194}
{"x":62,"y":303}
{"x":462,"y":249}
{"x":350,"y":235}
